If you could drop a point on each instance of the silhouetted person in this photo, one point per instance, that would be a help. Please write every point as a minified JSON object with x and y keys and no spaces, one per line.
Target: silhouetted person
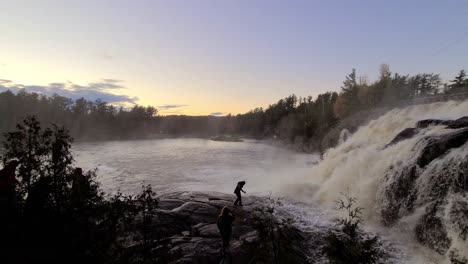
{"x":79,"y":185}
{"x":8,"y":181}
{"x":8,"y":213}
{"x":238,"y":191}
{"x":224,"y":223}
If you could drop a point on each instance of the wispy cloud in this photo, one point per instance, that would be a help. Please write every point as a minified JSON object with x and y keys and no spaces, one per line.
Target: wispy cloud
{"x":104,"y":84}
{"x":3,"y":81}
{"x":170,"y":106}
{"x":102,"y":90}
{"x":216,"y":114}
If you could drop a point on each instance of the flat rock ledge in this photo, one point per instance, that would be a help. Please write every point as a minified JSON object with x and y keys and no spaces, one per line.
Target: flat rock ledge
{"x":186,"y":231}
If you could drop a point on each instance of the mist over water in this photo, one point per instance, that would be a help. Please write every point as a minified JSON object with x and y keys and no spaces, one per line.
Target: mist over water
{"x":193,"y":164}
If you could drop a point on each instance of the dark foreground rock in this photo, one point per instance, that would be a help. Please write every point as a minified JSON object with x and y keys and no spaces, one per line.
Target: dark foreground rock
{"x":186,"y":231}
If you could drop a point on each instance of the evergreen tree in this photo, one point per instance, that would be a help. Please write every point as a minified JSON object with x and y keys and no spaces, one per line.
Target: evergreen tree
{"x":459,"y":84}
{"x":349,"y":100}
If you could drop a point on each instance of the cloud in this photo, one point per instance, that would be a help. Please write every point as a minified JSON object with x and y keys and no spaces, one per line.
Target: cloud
{"x":216,"y":114}
{"x":96,"y":90}
{"x":104,"y":84}
{"x":112,"y":80}
{"x":170,"y":106}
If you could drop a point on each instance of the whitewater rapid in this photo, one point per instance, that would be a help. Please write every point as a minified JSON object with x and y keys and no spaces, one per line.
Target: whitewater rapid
{"x":364,"y":167}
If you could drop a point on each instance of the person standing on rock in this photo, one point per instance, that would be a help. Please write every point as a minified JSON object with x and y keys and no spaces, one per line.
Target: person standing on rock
{"x":224,"y":223}
{"x":238,"y":191}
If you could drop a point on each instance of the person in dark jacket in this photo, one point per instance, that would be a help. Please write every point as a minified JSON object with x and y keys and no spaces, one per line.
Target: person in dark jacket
{"x":8,"y":181}
{"x":224,"y":223}
{"x":238,"y":191}
{"x":79,"y":184}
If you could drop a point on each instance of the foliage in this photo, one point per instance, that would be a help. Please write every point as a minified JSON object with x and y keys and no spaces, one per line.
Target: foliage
{"x":60,"y":214}
{"x":350,"y":245}
{"x":86,"y":119}
{"x":146,"y":203}
{"x":272,"y":230}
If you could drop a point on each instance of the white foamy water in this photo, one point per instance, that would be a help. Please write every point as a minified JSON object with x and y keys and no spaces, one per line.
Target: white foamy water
{"x":358,"y":165}
{"x":365,"y":168}
{"x":192,"y":164}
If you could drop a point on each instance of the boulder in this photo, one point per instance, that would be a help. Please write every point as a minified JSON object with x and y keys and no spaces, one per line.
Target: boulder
{"x":404,"y":134}
{"x":453,"y":124}
{"x":171,"y":223}
{"x":205,"y":230}
{"x":198,"y":212}
{"x":169,"y":204}
{"x":432,"y":122}
{"x":438,"y":146}
{"x":459,"y":123}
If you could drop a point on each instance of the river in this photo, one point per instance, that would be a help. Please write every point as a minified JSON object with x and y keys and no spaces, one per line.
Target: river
{"x":193,"y":164}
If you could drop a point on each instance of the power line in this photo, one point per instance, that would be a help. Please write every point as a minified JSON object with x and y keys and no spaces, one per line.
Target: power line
{"x":440,"y":50}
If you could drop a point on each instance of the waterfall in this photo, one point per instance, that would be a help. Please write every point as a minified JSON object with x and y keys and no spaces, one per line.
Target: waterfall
{"x":392,"y":183}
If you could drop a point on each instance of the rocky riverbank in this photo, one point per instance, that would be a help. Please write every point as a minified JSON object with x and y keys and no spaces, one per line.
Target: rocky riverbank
{"x":186,"y":231}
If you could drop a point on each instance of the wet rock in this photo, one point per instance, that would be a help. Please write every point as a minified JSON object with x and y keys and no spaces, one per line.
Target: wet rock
{"x":432,"y":122}
{"x":197,"y":249}
{"x":405,"y":134}
{"x":169,"y":204}
{"x":170,"y":223}
{"x":412,"y":131}
{"x":399,"y":192}
{"x":459,"y":123}
{"x":453,"y":124}
{"x":205,"y":230}
{"x":198,"y":212}
{"x":438,"y":146}
{"x":430,"y":230}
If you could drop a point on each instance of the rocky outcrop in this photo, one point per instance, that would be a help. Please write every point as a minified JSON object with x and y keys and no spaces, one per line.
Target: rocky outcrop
{"x":438,"y":146}
{"x":458,"y":123}
{"x":186,"y":231}
{"x":455,"y":139}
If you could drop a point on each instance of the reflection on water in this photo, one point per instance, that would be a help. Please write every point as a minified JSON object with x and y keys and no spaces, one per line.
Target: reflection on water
{"x":192,"y":164}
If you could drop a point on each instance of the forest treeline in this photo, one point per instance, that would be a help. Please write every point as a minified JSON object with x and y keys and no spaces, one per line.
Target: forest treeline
{"x":293,"y":118}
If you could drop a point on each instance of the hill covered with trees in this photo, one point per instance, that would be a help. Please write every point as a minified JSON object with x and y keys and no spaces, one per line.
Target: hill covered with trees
{"x":294,"y":119}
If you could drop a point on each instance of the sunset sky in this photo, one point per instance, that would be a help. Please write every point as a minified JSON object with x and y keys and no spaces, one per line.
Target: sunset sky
{"x":201,"y":57}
